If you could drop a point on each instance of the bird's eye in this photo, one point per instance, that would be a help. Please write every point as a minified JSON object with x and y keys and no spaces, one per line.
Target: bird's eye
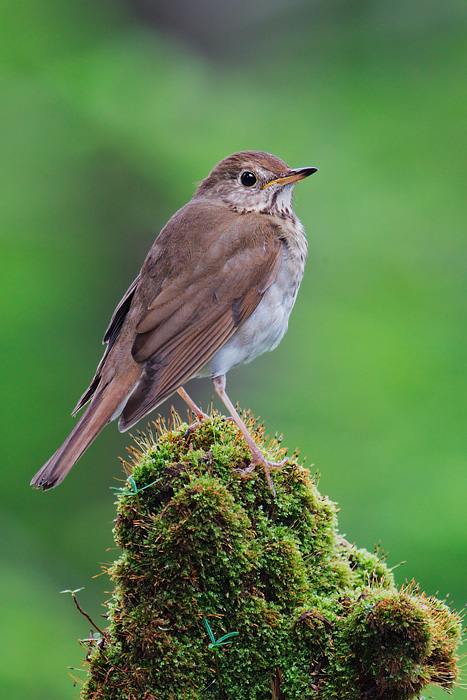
{"x":248,"y":179}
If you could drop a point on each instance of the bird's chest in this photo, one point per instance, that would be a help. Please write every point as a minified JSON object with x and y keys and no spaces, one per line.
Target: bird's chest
{"x":264,"y":329}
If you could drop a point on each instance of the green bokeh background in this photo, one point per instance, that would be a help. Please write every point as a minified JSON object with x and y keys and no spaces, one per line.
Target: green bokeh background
{"x":107,"y":120}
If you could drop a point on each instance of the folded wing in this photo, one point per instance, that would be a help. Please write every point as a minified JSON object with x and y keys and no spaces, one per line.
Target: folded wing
{"x":193,"y":315}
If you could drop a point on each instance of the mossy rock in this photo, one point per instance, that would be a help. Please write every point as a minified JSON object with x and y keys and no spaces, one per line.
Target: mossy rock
{"x":316,"y":617}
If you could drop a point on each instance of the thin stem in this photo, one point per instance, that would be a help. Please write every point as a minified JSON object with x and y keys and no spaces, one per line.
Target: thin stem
{"x":86,"y":615}
{"x":218,"y":674}
{"x":138,"y":503}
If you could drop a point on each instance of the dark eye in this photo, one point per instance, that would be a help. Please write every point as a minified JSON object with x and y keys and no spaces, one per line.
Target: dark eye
{"x":248,"y":179}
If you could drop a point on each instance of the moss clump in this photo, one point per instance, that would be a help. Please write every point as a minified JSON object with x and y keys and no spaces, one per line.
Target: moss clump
{"x":317,"y":618}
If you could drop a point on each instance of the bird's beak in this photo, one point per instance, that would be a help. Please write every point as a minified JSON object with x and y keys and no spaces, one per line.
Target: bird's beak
{"x":292,"y":176}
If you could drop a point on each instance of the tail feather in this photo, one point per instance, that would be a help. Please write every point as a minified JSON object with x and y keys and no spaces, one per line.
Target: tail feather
{"x":98,"y":414}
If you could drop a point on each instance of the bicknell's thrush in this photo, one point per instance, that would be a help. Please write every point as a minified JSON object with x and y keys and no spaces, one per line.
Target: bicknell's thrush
{"x":215,"y":291}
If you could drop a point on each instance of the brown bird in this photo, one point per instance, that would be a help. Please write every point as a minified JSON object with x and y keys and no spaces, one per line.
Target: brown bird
{"x":215,"y":291}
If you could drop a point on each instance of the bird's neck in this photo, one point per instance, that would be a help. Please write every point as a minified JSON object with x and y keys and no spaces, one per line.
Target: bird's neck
{"x":280,"y":204}
{"x":294,"y":236}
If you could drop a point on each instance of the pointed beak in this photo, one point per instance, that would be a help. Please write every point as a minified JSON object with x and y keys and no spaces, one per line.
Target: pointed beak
{"x":292,"y":176}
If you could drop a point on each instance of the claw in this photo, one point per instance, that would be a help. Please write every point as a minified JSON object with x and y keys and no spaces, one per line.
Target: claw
{"x":194,"y":426}
{"x":259,"y":460}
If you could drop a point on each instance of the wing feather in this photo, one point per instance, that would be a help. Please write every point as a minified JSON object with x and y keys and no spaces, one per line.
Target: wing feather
{"x":169,"y":377}
{"x":184,"y":325}
{"x":110,"y":337}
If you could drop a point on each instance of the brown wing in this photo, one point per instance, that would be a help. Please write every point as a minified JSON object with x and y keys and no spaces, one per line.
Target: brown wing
{"x":194,"y":313}
{"x":110,"y":337}
{"x":119,"y":315}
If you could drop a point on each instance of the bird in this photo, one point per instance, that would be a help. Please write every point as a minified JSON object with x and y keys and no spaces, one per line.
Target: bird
{"x":215,"y":291}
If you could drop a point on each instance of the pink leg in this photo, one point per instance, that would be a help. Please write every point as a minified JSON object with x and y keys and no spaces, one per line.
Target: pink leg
{"x":258,"y":459}
{"x":197,"y":411}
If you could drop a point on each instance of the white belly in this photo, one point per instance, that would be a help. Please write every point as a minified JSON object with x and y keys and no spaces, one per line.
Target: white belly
{"x":266,"y":326}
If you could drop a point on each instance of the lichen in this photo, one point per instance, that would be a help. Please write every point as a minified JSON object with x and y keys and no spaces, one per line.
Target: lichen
{"x":316,"y":617}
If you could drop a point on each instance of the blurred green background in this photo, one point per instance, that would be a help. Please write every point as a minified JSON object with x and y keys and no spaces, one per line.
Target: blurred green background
{"x":110,"y":112}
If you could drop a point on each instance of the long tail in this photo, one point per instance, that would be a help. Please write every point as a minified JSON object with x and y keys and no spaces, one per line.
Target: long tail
{"x":100,"y":411}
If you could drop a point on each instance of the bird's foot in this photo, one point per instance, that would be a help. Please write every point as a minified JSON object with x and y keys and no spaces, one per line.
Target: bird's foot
{"x":259,"y":460}
{"x":200,"y":415}
{"x":201,"y":418}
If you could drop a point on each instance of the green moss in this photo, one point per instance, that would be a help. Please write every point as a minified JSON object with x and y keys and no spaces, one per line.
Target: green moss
{"x":317,"y":618}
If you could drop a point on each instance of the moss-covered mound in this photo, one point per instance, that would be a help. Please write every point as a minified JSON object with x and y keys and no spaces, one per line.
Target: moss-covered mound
{"x":316,"y":617}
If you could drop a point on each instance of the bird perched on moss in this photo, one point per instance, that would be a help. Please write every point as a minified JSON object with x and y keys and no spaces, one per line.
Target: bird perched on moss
{"x":215,"y":291}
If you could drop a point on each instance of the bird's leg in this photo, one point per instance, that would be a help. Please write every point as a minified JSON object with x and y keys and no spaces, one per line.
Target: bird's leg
{"x":258,"y":459}
{"x":201,"y":417}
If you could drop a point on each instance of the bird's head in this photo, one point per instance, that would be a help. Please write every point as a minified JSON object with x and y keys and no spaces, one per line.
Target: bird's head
{"x":253,"y":181}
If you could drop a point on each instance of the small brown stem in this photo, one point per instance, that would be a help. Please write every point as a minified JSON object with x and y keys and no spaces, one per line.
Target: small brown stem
{"x":86,"y":615}
{"x":218,"y":674}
